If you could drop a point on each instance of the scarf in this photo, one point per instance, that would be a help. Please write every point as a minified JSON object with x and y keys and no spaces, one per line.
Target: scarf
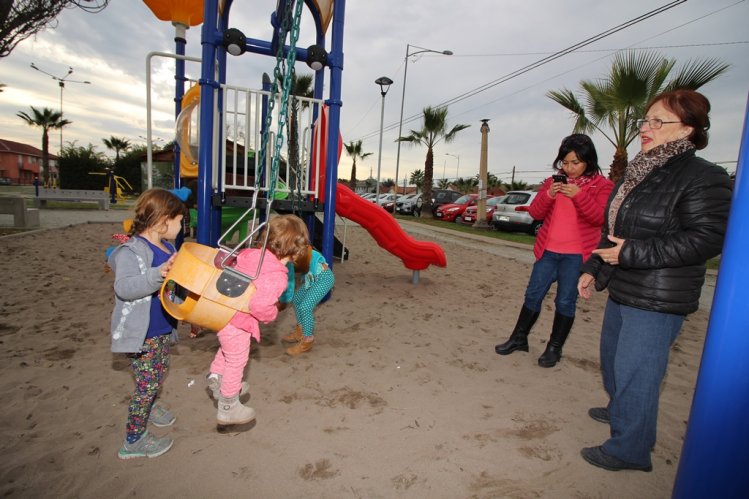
{"x":639,"y":168}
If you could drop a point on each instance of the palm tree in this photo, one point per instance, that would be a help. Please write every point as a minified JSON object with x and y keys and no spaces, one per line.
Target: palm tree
{"x":432,"y":132}
{"x":417,"y":179}
{"x":516,"y":185}
{"x":617,"y":100}
{"x":47,"y":120}
{"x":117,"y":145}
{"x":443,"y":183}
{"x":354,"y":149}
{"x":300,"y":87}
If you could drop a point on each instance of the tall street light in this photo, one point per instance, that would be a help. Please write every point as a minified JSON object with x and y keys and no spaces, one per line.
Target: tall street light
{"x":483,"y":174}
{"x":384,"y":82}
{"x":403,"y":98}
{"x":457,"y":167}
{"x":61,"y":81}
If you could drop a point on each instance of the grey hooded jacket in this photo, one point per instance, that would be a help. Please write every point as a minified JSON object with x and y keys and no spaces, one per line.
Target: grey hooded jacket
{"x":135,"y":282}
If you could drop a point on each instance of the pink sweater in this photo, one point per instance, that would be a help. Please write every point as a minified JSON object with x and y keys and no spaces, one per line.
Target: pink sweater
{"x":589,"y":204}
{"x":270,"y":283}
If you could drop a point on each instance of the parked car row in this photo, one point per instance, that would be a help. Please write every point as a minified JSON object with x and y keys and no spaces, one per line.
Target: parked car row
{"x":508,"y":212}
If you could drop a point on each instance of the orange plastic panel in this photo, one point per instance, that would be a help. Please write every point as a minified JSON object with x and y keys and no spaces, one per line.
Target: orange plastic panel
{"x":187,"y":12}
{"x":204,"y":306}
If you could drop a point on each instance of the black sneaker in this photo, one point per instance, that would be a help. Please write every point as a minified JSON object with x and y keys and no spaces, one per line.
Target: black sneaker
{"x":597,"y":457}
{"x":600,"y":414}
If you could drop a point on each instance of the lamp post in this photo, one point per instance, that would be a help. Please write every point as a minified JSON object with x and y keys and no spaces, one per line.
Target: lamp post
{"x":384,"y":82}
{"x":403,"y":96}
{"x":481,"y":208}
{"x":457,"y":167}
{"x":61,"y":81}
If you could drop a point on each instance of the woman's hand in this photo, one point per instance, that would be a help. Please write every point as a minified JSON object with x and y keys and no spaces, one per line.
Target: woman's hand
{"x":554,"y":187}
{"x":569,"y":190}
{"x":583,"y":285}
{"x":611,"y":255}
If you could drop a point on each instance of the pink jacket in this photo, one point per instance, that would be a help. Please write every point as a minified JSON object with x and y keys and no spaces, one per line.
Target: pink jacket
{"x":590,"y":204}
{"x":270,"y":283}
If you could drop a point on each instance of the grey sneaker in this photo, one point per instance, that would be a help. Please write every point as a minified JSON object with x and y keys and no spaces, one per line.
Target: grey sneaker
{"x":161,"y":416}
{"x":214,"y":385}
{"x":146,"y":446}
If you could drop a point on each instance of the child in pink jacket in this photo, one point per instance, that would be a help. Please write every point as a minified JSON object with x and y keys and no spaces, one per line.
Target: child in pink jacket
{"x":287,"y":241}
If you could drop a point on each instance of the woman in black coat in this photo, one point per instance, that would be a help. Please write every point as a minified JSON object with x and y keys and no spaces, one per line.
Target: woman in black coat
{"x":665,"y":219}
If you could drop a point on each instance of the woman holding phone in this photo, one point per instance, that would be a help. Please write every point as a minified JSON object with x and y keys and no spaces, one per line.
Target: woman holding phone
{"x":571,"y":205}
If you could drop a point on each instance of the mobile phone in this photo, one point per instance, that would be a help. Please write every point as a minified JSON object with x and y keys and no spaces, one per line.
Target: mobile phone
{"x":560,"y":178}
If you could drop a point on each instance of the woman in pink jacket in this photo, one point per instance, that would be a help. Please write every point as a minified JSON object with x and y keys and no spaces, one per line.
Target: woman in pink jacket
{"x":571,"y":204}
{"x":287,"y":241}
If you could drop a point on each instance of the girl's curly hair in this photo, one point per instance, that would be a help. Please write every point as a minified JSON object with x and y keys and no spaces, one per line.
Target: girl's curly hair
{"x":287,"y":236}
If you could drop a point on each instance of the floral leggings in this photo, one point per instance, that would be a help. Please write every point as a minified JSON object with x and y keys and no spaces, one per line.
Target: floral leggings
{"x":149,"y":368}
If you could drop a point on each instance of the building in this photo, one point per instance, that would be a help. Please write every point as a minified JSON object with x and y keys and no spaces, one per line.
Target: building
{"x":21,"y":163}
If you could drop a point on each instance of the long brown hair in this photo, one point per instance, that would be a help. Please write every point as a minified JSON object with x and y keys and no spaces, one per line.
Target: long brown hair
{"x":153,"y":207}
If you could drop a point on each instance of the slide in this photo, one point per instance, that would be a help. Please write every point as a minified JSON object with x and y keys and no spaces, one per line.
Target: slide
{"x":416,"y":255}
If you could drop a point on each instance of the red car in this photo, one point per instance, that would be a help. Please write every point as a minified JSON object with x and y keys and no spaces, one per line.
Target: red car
{"x":469,"y":216}
{"x":453,"y":212}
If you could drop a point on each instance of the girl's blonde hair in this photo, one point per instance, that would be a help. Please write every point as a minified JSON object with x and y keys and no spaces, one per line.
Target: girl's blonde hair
{"x":287,"y":236}
{"x":155,"y":206}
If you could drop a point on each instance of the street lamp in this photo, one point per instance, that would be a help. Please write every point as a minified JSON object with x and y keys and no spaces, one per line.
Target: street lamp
{"x":61,"y":81}
{"x":403,"y":97}
{"x":384,"y":82}
{"x":457,"y":167}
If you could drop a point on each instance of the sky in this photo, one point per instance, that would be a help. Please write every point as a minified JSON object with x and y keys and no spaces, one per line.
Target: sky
{"x":489,"y":39}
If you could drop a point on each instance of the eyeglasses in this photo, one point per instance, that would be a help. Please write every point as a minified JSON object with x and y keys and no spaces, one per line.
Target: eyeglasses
{"x":654,"y":123}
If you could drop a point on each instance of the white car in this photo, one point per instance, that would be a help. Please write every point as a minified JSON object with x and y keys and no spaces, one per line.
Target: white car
{"x":409,"y":205}
{"x":512,"y":213}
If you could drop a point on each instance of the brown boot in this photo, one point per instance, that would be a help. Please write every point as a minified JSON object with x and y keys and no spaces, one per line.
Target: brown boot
{"x":295,"y":336}
{"x":301,"y":347}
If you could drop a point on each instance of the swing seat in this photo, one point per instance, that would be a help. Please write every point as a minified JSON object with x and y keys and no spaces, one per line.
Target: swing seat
{"x":205,"y":294}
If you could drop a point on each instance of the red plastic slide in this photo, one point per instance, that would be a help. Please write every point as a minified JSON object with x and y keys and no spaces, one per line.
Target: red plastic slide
{"x":416,"y":255}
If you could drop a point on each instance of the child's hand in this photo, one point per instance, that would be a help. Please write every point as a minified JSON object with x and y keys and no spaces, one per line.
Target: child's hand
{"x":167,"y":266}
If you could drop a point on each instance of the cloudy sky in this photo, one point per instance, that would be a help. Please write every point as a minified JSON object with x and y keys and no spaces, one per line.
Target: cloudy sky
{"x":490,"y":39}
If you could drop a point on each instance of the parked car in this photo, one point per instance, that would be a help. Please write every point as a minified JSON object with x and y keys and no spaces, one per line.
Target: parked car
{"x":453,"y":212}
{"x":5,"y":181}
{"x":469,"y":216}
{"x":389,"y":202}
{"x":369,"y":196}
{"x":443,"y":196}
{"x":409,"y":205}
{"x":512,"y":213}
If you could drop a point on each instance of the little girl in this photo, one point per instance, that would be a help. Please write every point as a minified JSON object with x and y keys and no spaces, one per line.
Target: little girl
{"x":318,"y":281}
{"x":140,"y":326}
{"x":287,"y":241}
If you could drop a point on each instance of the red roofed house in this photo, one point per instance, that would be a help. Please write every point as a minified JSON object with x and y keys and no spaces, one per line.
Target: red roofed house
{"x":21,"y":163}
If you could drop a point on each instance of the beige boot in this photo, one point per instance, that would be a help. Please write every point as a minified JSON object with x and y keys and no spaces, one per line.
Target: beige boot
{"x":295,"y":336}
{"x":300,"y":347}
{"x":231,"y":411}
{"x":214,"y":385}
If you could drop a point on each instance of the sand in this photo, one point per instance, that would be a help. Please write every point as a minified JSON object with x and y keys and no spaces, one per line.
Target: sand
{"x":402,"y":395}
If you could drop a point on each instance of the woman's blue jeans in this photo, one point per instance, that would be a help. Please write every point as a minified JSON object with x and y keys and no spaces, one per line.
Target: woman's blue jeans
{"x":635,"y":345}
{"x":562,"y":268}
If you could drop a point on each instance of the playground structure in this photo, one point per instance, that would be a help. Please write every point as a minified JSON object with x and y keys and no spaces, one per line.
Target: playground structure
{"x":711,"y":462}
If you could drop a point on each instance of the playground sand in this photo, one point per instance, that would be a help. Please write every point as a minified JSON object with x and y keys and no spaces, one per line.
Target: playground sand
{"x":402,"y":395}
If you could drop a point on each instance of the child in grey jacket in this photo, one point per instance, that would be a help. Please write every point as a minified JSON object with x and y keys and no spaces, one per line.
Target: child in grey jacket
{"x":141,"y":328}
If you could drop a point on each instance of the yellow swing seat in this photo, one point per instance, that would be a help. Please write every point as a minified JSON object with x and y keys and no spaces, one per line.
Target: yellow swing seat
{"x":197,"y":270}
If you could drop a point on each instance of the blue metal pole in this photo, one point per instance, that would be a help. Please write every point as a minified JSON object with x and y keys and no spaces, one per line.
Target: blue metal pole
{"x":713,"y":460}
{"x":205,"y":154}
{"x":335,"y":62}
{"x":179,"y":92}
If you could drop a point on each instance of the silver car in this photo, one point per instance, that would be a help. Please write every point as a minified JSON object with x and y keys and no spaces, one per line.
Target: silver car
{"x":512,"y":213}
{"x":409,"y":205}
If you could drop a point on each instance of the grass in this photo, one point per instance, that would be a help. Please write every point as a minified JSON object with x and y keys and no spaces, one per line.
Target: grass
{"x":517,"y":237}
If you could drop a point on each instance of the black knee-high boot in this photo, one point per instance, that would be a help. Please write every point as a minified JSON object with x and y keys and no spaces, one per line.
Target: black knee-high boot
{"x":519,"y":338}
{"x":559,"y":332}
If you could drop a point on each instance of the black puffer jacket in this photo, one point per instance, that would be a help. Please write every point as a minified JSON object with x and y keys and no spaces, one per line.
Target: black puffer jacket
{"x":673,"y":222}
